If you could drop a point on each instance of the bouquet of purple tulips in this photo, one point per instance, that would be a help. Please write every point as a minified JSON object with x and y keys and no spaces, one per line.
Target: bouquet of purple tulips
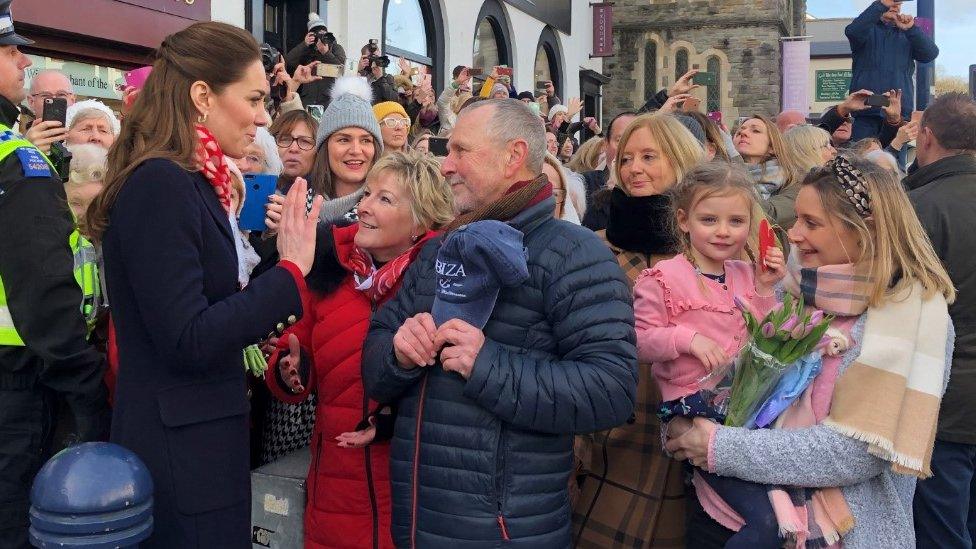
{"x":778,"y":341}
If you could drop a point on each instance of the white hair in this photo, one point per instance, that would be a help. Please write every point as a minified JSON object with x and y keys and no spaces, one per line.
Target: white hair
{"x":88,"y":163}
{"x":885,"y":160}
{"x":90,"y":108}
{"x":512,"y":119}
{"x":272,"y":162}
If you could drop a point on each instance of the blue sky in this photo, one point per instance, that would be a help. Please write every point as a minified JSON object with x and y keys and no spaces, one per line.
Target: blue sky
{"x":955,"y":22}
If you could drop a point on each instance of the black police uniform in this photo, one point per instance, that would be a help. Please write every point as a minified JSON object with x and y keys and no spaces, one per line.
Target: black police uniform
{"x":43,"y":298}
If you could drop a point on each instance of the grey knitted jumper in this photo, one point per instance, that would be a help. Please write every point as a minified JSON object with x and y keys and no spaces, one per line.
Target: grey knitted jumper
{"x":880,"y":500}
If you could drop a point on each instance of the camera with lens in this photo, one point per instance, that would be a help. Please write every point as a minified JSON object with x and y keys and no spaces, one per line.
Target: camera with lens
{"x":381,"y":61}
{"x":270,"y":57}
{"x":326,"y":38}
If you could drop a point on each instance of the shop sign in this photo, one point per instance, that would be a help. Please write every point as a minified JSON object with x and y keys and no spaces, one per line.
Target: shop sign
{"x":833,"y":85}
{"x":88,"y":80}
{"x":602,"y":29}
{"x":198,"y":10}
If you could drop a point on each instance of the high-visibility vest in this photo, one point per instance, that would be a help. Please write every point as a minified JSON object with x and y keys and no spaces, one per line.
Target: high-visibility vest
{"x":85,"y":266}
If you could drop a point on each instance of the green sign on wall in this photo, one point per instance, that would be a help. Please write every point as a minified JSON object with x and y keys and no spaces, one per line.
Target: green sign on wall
{"x":833,"y":85}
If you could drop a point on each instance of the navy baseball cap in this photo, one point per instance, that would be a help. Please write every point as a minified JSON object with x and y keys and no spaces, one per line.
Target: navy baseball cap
{"x":474,"y":262}
{"x":8,"y":37}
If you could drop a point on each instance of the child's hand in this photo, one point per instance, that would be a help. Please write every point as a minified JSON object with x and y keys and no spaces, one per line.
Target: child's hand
{"x":775,"y":271}
{"x":708,"y":352}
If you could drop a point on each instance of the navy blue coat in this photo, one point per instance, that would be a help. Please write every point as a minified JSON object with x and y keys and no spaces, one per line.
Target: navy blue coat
{"x":885,"y":56}
{"x":182,"y":323}
{"x":559,"y":358}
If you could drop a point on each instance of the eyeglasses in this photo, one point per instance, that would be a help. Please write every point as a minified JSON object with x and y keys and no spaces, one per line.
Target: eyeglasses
{"x":58,"y":94}
{"x":304,"y":143}
{"x":395,"y":122}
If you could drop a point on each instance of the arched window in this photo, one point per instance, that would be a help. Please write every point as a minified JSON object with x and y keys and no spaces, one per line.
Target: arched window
{"x":412,"y":30}
{"x":680,"y":63}
{"x":650,"y":69}
{"x":714,"y":67}
{"x":548,"y":60}
{"x":492,"y":43}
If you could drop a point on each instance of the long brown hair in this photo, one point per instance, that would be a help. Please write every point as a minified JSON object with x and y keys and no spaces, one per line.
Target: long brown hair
{"x":321,"y":178}
{"x":162,"y":119}
{"x":784,"y":155}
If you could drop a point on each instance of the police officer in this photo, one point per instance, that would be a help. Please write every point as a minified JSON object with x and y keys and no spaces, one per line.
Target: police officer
{"x":44,"y":353}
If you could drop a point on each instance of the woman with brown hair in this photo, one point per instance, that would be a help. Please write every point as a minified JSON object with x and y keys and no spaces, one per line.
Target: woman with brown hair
{"x":773,"y":166}
{"x":180,"y":315}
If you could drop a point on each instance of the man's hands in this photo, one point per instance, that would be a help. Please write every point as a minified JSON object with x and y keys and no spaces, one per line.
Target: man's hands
{"x":419,"y":342}
{"x":44,"y":133}
{"x":904,"y":21}
{"x":854,"y":102}
{"x":893,"y":110}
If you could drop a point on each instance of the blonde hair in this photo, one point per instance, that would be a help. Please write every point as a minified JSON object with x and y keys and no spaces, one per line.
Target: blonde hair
{"x":678,"y":146}
{"x":808,"y":143}
{"x":715,"y":178}
{"x":587,"y":156}
{"x":88,"y":163}
{"x":892,"y":238}
{"x":789,"y":165}
{"x":431,"y":199}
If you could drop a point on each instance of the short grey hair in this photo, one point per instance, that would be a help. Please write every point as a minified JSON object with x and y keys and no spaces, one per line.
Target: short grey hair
{"x":512,"y":119}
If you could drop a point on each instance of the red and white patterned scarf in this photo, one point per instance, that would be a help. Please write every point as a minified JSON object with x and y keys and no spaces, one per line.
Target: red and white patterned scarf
{"x":377,"y":283}
{"x":213,"y":165}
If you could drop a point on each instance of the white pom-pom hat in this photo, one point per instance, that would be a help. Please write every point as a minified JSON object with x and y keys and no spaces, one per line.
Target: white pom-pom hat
{"x":351,"y":107}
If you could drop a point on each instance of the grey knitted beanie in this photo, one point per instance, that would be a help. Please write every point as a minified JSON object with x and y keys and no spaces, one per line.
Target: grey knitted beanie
{"x":315,"y":21}
{"x":351,"y":106}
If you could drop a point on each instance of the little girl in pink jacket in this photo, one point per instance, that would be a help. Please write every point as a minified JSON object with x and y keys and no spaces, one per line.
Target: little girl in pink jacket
{"x":689,"y":325}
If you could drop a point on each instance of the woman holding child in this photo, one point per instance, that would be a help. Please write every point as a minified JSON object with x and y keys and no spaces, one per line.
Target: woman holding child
{"x":860,"y":435}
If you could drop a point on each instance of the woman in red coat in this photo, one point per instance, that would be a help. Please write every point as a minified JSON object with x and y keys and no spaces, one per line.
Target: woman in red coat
{"x":405,"y":199}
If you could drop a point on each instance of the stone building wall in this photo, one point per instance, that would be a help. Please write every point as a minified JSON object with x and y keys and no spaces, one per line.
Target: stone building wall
{"x":739,"y":36}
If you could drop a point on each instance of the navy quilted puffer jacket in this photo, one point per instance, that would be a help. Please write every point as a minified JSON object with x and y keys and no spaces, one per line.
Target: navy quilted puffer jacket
{"x":494,"y":453}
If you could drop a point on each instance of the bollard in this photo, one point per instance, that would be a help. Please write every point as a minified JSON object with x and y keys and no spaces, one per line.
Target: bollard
{"x":95,"y":495}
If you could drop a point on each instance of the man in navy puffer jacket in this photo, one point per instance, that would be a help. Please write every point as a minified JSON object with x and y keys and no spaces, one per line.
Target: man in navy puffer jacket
{"x":482,"y":449}
{"x":885,"y":45}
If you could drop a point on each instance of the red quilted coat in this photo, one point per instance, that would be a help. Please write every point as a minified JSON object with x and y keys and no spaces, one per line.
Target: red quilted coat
{"x":348,"y":489}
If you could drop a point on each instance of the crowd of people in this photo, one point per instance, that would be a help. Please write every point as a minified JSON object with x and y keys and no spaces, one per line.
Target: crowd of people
{"x":488,"y":320}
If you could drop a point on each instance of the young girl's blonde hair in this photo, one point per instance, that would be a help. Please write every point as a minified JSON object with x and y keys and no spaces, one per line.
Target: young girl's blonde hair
{"x":892,"y":239}
{"x":715,"y":178}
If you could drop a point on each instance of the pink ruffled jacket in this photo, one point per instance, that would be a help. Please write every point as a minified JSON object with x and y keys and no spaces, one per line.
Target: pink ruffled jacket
{"x":672,"y":303}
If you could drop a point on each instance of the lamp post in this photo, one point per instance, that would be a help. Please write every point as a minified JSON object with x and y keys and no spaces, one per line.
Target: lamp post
{"x":925,"y":72}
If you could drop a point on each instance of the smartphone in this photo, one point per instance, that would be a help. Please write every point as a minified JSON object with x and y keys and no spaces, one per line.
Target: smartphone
{"x":327,"y":70}
{"x":55,"y":108}
{"x":438,"y":146}
{"x":257,"y":188}
{"x":917,"y":116}
{"x":703,"y":79}
{"x":691,"y":105}
{"x":504,"y":71}
{"x":715,"y":116}
{"x":877,"y":100}
{"x":317,"y":111}
{"x":475,"y":71}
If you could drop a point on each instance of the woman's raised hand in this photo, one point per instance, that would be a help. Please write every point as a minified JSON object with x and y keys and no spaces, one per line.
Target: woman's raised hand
{"x":296,"y":230}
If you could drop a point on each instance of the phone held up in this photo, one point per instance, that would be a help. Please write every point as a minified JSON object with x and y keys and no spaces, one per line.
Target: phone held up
{"x":56,"y":109}
{"x":877,"y":100}
{"x":438,"y":146}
